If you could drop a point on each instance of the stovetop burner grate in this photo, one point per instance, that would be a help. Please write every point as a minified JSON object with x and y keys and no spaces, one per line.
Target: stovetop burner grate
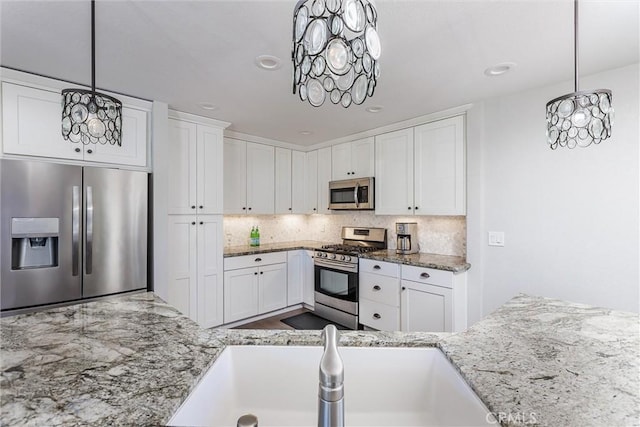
{"x":350,"y":248}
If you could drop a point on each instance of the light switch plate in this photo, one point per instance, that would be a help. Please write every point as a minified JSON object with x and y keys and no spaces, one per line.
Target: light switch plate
{"x":496,"y":238}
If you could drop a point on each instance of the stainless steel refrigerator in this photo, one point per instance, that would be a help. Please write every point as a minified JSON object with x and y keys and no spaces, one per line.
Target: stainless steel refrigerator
{"x":70,"y":232}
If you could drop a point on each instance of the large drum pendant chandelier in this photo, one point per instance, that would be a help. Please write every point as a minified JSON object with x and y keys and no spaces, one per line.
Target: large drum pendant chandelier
{"x":582,"y":117}
{"x":89,"y":116}
{"x":335,"y":51}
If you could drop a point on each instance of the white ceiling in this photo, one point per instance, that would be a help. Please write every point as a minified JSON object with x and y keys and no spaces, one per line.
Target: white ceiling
{"x":434,"y":54}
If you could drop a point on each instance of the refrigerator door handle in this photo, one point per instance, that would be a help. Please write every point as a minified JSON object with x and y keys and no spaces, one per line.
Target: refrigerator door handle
{"x":89,"y":246}
{"x":75,"y":230}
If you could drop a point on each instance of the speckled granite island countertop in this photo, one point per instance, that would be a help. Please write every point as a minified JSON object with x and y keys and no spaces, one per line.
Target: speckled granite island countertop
{"x":456,"y":264}
{"x":132,"y":360}
{"x":272,"y":247}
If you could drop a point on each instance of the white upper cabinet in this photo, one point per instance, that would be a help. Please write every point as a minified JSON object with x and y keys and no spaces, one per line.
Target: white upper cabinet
{"x":195,"y":175}
{"x":298,"y":182}
{"x":421,"y":170}
{"x":31,"y":123}
{"x":394,"y":173}
{"x":311,"y":182}
{"x":283,"y":181}
{"x":249,"y":177}
{"x":353,"y":159}
{"x":324,"y":176}
{"x":440,"y":167}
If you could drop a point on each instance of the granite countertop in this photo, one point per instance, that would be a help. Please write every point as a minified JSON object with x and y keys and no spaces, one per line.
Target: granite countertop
{"x":131,"y":360}
{"x":272,"y":247}
{"x":441,"y":262}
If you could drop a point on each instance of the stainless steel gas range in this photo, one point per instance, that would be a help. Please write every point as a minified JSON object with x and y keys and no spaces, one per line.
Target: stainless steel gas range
{"x":336,"y":273}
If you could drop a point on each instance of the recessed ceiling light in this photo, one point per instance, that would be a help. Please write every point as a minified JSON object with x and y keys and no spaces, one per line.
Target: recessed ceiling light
{"x":207,"y":106}
{"x":374,"y":109}
{"x":305,"y":132}
{"x":268,"y":62}
{"x":499,"y":69}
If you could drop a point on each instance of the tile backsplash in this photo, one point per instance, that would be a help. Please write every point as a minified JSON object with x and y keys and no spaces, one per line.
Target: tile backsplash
{"x":444,"y":235}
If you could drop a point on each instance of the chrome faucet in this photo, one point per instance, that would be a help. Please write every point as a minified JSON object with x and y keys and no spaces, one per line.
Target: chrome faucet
{"x":331,"y":390}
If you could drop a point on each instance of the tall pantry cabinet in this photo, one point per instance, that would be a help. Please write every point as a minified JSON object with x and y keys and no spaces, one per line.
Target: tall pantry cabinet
{"x":195,"y":201}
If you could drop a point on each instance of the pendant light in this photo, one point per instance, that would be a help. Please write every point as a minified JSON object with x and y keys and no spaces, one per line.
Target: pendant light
{"x":89,"y":116}
{"x":582,"y":117}
{"x":335,"y":51}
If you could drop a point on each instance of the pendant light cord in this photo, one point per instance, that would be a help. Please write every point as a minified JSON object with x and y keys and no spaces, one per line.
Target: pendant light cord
{"x":93,"y":46}
{"x":575,"y":43}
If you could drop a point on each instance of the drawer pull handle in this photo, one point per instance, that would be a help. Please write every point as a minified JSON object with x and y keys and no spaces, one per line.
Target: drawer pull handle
{"x":377,"y":288}
{"x":376,"y":316}
{"x":425,"y":275}
{"x":258,"y":259}
{"x":376,"y":267}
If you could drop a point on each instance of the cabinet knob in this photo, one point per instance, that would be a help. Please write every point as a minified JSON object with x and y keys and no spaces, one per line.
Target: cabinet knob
{"x":353,"y":173}
{"x":193,"y":207}
{"x":255,"y":274}
{"x":425,"y":275}
{"x":409,"y":208}
{"x":200,"y":207}
{"x":376,"y":267}
{"x":249,"y":208}
{"x":193,"y":223}
{"x":404,"y":289}
{"x":416,"y":208}
{"x":376,"y":288}
{"x":89,"y":151}
{"x":376,"y":316}
{"x":314,"y":209}
{"x":290,"y":209}
{"x":258,"y":259}
{"x":77,"y":150}
{"x":201,"y":222}
{"x":261,"y":272}
{"x":244,"y":209}
{"x":348,"y":173}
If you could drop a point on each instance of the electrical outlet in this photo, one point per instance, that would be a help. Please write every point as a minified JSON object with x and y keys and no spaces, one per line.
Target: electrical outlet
{"x":496,"y":238}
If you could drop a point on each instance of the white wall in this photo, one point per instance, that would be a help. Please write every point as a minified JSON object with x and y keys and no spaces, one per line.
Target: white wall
{"x":570,"y":217}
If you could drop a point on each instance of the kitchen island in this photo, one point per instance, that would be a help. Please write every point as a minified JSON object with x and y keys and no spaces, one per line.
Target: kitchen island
{"x":132,"y":360}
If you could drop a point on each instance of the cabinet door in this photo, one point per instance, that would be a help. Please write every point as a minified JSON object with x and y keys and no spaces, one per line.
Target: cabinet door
{"x":210,"y":274}
{"x":283,"y":181}
{"x":311,"y":182}
{"x":324,"y":176}
{"x":341,"y":161}
{"x":295,"y":276}
{"x":182,"y":173}
{"x":260,"y":179}
{"x":362,"y":158}
{"x":425,"y":308}
{"x":308,"y":291}
{"x":440,"y":168}
{"x":298,"y":185}
{"x":272,"y":290}
{"x":209,"y":170}
{"x":394,"y":173}
{"x":133,"y":150}
{"x":235,"y":176}
{"x":182,"y":264}
{"x":240,"y":294}
{"x":22,"y":108}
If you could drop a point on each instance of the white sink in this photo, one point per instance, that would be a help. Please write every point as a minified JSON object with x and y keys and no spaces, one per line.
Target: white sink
{"x":383,"y":387}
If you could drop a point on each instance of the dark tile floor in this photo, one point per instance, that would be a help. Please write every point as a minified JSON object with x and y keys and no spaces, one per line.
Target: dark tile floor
{"x":272,"y":322}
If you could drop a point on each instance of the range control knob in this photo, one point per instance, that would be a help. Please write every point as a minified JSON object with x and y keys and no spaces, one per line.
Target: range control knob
{"x":347,"y":258}
{"x":343,"y":258}
{"x":333,"y":256}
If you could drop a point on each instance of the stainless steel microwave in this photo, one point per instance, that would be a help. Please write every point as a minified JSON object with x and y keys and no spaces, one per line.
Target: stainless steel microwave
{"x":351,"y":194}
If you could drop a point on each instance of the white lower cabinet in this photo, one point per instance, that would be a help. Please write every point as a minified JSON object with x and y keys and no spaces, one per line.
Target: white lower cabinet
{"x":379,"y":288}
{"x":195,"y":269}
{"x":308,"y":289}
{"x":300,"y":277}
{"x":254,"y":284}
{"x":433,"y":300}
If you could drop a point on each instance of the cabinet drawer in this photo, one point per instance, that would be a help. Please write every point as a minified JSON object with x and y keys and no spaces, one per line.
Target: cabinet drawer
{"x":427,"y":275}
{"x":379,"y":267}
{"x":245,"y":261}
{"x":379,"y":316}
{"x":376,"y":287}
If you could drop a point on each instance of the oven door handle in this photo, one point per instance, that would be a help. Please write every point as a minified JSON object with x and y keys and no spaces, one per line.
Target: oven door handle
{"x":355,"y":195}
{"x":353,"y":268}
